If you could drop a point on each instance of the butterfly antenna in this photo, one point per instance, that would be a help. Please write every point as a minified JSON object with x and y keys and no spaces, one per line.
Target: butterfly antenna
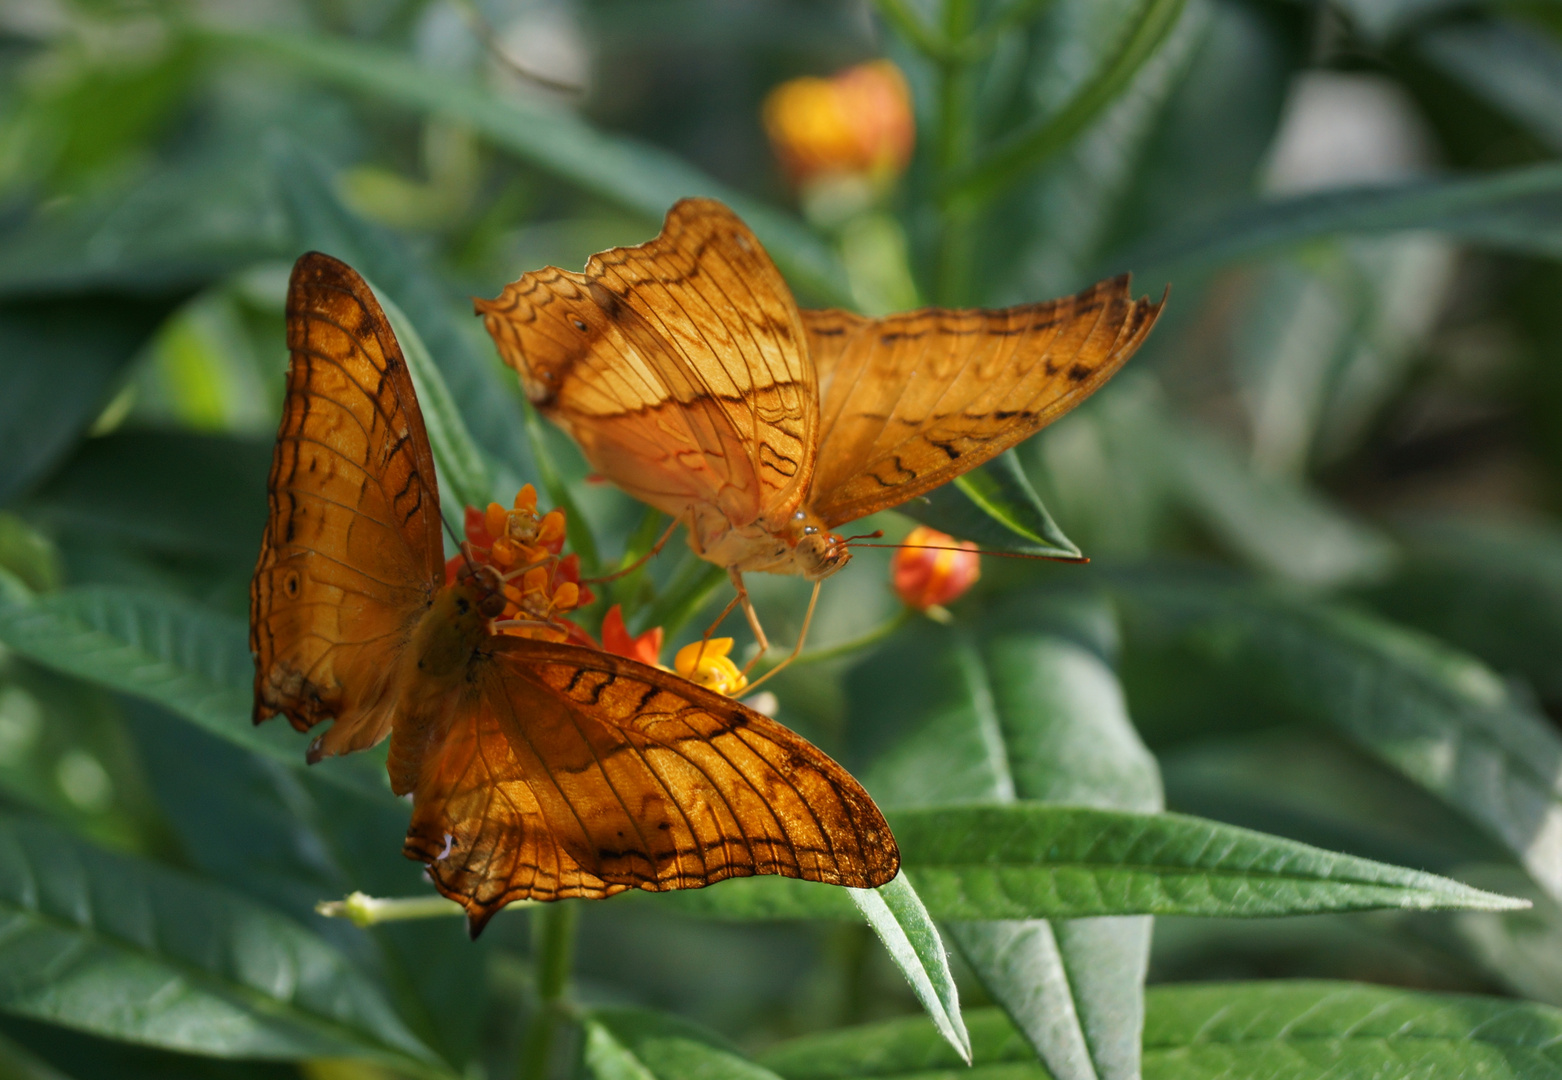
{"x":638,"y":563}
{"x":982,"y":551}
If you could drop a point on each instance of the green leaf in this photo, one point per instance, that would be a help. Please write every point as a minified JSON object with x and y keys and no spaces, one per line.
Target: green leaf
{"x":996,"y":507}
{"x":1287,"y":1030}
{"x":630,"y":174}
{"x":191,"y":661}
{"x":1275,"y":524}
{"x":321,"y":222}
{"x":1279,"y":1030}
{"x":179,"y":492}
{"x":635,"y":1044}
{"x":1030,"y":859}
{"x":129,"y":950}
{"x":168,"y":231}
{"x":1493,"y":588}
{"x":1434,"y":714}
{"x":1027,"y":149}
{"x":1513,"y":67}
{"x":898,"y":917}
{"x":1512,"y":210}
{"x":462,"y":470}
{"x":1038,"y":860}
{"x":57,"y":372}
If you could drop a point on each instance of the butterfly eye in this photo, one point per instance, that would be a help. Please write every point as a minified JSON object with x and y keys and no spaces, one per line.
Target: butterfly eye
{"x":810,"y":530}
{"x":799,"y":516}
{"x":580,"y":324}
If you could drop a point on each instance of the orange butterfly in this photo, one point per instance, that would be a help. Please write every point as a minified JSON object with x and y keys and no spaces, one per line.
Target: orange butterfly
{"x":692,"y":380}
{"x":537,"y":770}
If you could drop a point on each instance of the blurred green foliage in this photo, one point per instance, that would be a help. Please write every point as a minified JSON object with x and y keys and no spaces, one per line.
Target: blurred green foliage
{"x":1310,"y":678}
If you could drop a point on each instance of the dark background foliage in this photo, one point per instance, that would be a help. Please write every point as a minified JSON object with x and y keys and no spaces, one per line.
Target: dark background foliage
{"x":1324,"y":601}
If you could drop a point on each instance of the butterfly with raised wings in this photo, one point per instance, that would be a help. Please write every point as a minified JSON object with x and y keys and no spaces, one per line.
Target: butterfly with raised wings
{"x":690,"y":378}
{"x":537,"y":770}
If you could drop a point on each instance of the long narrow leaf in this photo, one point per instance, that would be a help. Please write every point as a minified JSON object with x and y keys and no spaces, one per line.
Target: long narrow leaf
{"x":898,"y":917}
{"x":633,"y":175}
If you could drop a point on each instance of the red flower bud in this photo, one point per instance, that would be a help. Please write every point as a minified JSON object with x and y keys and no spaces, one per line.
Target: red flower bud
{"x":934,"y":568}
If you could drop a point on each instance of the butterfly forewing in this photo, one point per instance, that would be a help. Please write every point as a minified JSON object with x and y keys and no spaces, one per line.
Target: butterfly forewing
{"x":352,"y":548}
{"x":574,"y":773}
{"x":912,"y":401}
{"x":679,"y":366}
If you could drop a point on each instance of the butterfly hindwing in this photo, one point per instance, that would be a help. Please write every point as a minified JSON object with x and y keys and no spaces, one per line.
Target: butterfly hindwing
{"x":575,"y":773}
{"x":352,"y":549}
{"x":912,"y":401}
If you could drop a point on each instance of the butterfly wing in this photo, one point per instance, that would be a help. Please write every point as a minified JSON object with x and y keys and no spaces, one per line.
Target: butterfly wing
{"x":912,"y":401}
{"x":679,"y":366}
{"x":352,"y":550}
{"x":557,"y":771}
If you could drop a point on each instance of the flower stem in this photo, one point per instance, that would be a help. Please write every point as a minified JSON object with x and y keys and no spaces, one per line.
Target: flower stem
{"x":553,"y":950}
{"x":953,"y":154}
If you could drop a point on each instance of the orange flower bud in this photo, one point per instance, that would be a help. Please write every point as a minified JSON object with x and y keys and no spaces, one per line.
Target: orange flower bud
{"x":707,"y":664}
{"x":566,"y":597}
{"x":526,"y":499}
{"x":934,"y":568}
{"x":647,"y":648}
{"x":859,"y":122}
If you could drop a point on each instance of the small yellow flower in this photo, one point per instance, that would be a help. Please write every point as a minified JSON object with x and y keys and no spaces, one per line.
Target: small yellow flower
{"x":707,"y":664}
{"x":857,"y":123}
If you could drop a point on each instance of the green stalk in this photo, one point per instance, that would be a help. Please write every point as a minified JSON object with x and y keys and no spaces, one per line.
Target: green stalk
{"x":953,"y":153}
{"x":553,"y":949}
{"x":1022,"y":153}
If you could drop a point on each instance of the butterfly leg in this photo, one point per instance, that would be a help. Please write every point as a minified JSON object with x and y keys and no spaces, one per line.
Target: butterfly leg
{"x":796,"y":649}
{"x":753,"y":617}
{"x":711,"y":629}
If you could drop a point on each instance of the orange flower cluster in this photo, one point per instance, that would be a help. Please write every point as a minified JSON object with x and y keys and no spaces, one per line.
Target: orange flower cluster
{"x":934,"y":568}
{"x":541,"y":584}
{"x":857,"y":123}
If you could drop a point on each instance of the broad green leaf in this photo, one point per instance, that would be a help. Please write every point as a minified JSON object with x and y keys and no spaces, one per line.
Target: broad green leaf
{"x":80,"y":1056}
{"x":129,"y":950}
{"x":1494,"y":588}
{"x":165,"y":232}
{"x":1038,"y":860}
{"x":635,"y":1044}
{"x":1025,"y":714}
{"x":287,"y":837}
{"x":186,"y":659}
{"x":633,"y":175}
{"x":462,"y":470}
{"x":1032,"y":859}
{"x":1511,"y":210}
{"x":1275,"y":524}
{"x":321,"y":222}
{"x":59,"y":361}
{"x":996,"y":507}
{"x":1279,"y":1030}
{"x":902,"y":924}
{"x":1435,"y":714}
{"x":180,"y":492}
{"x":1295,"y":1030}
{"x":27,"y":554}
{"x":1513,"y":67}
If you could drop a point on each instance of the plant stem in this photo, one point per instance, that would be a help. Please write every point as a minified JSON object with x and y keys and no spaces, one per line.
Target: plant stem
{"x":911,"y":27}
{"x":1027,"y":149}
{"x":953,"y":153}
{"x":553,"y":949}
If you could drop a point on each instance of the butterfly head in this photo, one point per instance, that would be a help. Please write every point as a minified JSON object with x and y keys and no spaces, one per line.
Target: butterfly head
{"x":817,"y":551}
